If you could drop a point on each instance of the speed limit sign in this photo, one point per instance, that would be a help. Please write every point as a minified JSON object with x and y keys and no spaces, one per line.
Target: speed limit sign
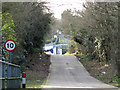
{"x":10,"y":45}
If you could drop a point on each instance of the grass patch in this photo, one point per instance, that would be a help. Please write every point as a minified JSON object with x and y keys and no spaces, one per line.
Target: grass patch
{"x":34,"y":84}
{"x":35,"y":79}
{"x":37,"y":71}
{"x":99,"y":70}
{"x":115,"y":84}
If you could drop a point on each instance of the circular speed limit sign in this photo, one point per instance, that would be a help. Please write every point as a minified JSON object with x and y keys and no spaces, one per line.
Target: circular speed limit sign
{"x":10,"y":45}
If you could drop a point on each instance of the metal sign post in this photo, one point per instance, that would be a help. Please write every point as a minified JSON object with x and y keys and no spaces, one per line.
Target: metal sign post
{"x":10,"y":46}
{"x":10,"y":57}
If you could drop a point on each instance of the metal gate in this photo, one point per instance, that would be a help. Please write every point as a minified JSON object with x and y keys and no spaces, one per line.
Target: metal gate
{"x":10,"y":76}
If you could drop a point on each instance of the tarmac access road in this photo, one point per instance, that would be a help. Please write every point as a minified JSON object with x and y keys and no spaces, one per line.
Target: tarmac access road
{"x":67,"y":73}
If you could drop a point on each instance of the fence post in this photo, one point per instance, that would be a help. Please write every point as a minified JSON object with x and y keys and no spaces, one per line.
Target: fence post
{"x":23,"y":80}
{"x":0,"y":75}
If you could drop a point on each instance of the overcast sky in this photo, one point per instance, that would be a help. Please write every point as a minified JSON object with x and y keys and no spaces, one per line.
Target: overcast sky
{"x":58,"y":6}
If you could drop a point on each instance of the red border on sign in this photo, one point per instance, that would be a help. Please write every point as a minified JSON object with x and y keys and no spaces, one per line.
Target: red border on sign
{"x":6,"y":48}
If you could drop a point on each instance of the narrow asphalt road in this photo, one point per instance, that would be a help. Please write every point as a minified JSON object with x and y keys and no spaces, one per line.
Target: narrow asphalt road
{"x":67,"y":72}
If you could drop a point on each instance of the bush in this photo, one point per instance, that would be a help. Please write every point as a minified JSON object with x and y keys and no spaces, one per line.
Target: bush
{"x":117,"y":78}
{"x":49,"y":41}
{"x":71,"y":49}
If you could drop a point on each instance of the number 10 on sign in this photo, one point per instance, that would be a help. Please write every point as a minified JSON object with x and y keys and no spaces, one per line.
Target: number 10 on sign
{"x":10,"y":45}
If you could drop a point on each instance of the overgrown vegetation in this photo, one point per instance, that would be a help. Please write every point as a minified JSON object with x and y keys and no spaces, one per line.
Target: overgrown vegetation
{"x":37,"y":71}
{"x":49,"y":41}
{"x":27,"y":23}
{"x":95,"y":31}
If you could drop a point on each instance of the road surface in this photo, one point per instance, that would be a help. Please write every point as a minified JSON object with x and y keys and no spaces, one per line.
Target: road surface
{"x":67,"y":72}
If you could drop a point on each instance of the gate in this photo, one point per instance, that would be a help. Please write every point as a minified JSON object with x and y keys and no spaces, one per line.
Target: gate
{"x":10,"y":76}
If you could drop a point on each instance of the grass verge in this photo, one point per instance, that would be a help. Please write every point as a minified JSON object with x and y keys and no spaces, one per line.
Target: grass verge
{"x":37,"y":71}
{"x":100,"y":70}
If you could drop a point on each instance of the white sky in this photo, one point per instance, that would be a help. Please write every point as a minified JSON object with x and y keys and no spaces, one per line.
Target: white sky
{"x":58,"y":6}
